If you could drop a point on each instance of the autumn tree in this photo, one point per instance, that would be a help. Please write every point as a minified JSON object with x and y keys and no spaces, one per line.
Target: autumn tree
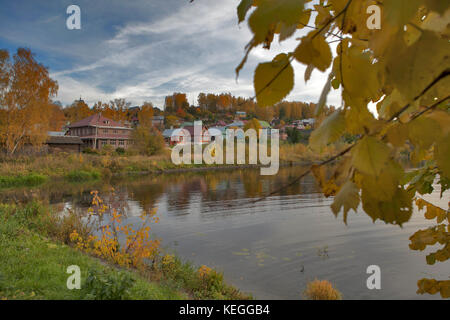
{"x":145,"y":115}
{"x":253,"y":124}
{"x":79,"y":110}
{"x":147,"y":141}
{"x":117,"y":109}
{"x":26,"y":90}
{"x":403,"y":67}
{"x":57,"y":119}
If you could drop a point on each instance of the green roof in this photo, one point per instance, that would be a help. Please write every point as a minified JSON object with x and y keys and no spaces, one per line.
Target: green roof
{"x":264,"y":124}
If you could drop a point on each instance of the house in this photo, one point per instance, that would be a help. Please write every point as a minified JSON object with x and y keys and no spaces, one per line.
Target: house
{"x":98,"y":131}
{"x":236,"y":125}
{"x":185,"y":135}
{"x":218,"y":131}
{"x":308,"y":122}
{"x":265,"y":127}
{"x":158,"y":121}
{"x":241,"y":114}
{"x":59,"y":142}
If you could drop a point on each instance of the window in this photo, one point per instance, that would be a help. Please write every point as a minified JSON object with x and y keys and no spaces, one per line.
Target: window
{"x":105,"y":130}
{"x":121,"y":142}
{"x":113,"y":142}
{"x":104,"y":142}
{"x":116,"y":131}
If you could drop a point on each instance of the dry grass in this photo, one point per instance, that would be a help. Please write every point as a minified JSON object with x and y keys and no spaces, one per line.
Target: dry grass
{"x":321,"y":290}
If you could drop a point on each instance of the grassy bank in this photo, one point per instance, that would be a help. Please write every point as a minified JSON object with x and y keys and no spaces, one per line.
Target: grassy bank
{"x":35,"y":251}
{"x":29,"y":171}
{"x":23,"y":180}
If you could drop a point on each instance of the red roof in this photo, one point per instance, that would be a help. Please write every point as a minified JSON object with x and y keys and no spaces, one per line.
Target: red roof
{"x":96,"y":120}
{"x":190,"y":129}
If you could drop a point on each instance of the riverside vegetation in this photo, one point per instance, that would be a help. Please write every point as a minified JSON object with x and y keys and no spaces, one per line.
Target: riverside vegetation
{"x":35,"y":170}
{"x":37,"y":245}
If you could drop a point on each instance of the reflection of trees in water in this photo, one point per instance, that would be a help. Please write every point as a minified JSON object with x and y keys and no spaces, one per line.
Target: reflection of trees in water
{"x":54,"y":192}
{"x":179,"y":188}
{"x":146,"y":194}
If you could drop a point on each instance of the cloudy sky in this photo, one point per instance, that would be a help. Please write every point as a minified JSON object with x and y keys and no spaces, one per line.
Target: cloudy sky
{"x":143,"y":50}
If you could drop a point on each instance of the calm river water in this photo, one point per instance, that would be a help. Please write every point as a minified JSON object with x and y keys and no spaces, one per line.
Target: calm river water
{"x":271,"y":248}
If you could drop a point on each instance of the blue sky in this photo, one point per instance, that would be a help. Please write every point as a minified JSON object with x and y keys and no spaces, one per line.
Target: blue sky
{"x":143,"y":50}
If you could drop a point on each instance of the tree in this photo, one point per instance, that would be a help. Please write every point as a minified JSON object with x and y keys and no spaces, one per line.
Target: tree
{"x":170,"y":121}
{"x":57,"y":119}
{"x":145,"y":115}
{"x":403,"y":67}
{"x":147,"y":141}
{"x":253,"y":124}
{"x":79,"y":110}
{"x":26,"y":90}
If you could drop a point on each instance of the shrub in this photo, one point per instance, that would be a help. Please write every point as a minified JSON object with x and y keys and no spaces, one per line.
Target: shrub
{"x":321,"y":290}
{"x":111,"y":286}
{"x":211,"y":279}
{"x":107,"y":149}
{"x":90,"y":151}
{"x":120,"y":151}
{"x":138,"y":246}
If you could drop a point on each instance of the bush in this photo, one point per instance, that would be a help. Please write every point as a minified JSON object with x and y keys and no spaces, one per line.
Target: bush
{"x":120,"y":151}
{"x":90,"y":151}
{"x":111,"y":286}
{"x":321,"y":290}
{"x":107,"y":149}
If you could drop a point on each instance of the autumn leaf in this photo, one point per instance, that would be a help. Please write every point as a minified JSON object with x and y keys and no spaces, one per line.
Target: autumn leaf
{"x":348,"y":198}
{"x":273,"y":80}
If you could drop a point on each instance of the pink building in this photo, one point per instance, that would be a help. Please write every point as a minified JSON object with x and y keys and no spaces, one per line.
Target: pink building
{"x":97,"y":131}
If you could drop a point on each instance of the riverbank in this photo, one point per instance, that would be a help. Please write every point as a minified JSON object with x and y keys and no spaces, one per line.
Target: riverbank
{"x":35,"y":251}
{"x":30,"y":171}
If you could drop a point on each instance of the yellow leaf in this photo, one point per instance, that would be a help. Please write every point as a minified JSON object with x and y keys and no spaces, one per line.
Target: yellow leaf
{"x":273,"y":80}
{"x":412,"y":68}
{"x":329,"y":131}
{"x":400,"y":12}
{"x":269,"y":13}
{"x":423,"y":132}
{"x":370,"y":155}
{"x":314,"y":52}
{"x":442,"y":155}
{"x":347,"y":197}
{"x":357,"y":74}
{"x":242,"y":9}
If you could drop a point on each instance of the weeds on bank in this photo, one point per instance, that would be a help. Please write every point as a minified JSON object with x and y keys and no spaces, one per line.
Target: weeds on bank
{"x":105,"y":224}
{"x":106,"y":235}
{"x":321,"y":290}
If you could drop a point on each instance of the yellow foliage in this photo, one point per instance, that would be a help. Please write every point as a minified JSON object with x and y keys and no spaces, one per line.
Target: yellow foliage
{"x":204,"y":271}
{"x":321,"y":290}
{"x":137,"y":247}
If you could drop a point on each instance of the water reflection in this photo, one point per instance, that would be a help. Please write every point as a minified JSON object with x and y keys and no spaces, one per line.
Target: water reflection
{"x":271,"y":248}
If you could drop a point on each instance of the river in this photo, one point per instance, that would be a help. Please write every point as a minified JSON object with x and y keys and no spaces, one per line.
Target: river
{"x":271,"y":248}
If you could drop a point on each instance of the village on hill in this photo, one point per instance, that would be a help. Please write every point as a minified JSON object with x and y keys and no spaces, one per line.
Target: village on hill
{"x":79,"y":127}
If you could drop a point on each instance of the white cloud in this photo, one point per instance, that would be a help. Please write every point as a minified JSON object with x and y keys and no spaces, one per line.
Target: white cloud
{"x":194,"y":49}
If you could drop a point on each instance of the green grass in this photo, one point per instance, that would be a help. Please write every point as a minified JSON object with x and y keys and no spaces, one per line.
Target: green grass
{"x":29,"y":180}
{"x":34,"y":267}
{"x":83,"y":175}
{"x":34,"y":256}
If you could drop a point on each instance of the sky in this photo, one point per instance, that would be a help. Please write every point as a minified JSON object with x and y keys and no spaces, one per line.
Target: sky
{"x":144,"y":50}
